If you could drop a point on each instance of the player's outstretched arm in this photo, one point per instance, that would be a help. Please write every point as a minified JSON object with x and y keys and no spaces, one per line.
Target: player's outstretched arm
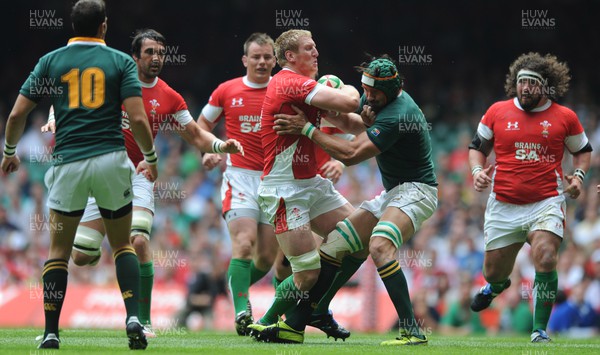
{"x":14,"y":130}
{"x":207,"y":142}
{"x":134,"y":106}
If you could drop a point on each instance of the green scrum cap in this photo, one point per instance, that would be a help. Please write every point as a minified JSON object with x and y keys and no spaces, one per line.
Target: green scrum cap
{"x":382,"y":74}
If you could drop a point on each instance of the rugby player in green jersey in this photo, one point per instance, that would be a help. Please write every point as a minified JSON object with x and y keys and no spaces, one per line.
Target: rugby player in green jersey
{"x":90,"y":82}
{"x":398,"y":138}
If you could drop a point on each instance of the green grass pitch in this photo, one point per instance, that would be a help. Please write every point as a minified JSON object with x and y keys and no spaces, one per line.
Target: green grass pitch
{"x":80,"y":341}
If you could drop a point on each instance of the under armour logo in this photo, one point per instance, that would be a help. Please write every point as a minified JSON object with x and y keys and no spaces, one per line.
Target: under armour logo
{"x":512,"y":126}
{"x":237,"y":102}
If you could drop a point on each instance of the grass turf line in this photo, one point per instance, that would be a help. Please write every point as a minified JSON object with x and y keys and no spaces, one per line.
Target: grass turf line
{"x":181,"y":341}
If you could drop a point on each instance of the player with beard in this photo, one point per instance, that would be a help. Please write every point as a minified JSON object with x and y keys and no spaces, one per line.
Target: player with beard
{"x":528,"y":133}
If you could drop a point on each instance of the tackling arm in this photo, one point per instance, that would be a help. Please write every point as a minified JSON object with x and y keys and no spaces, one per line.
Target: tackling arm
{"x":348,"y":152}
{"x":348,"y":122}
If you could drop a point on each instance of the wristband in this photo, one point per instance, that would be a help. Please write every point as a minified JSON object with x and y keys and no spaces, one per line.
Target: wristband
{"x":216,"y":146}
{"x":476,"y":169}
{"x":51,"y":117}
{"x":308,"y":130}
{"x":580,"y":174}
{"x":150,"y":157}
{"x":9,"y":150}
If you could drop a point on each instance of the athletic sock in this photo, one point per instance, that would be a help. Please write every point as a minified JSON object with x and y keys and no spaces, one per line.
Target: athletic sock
{"x":127,"y":267}
{"x":545,"y":286}
{"x":286,"y":296}
{"x":256,"y":274}
{"x":238,"y":279}
{"x":146,"y":283}
{"x":301,"y":314}
{"x":349,"y":266}
{"x":276,"y":282}
{"x":497,"y":287}
{"x":395,"y":283}
{"x":54,"y":279}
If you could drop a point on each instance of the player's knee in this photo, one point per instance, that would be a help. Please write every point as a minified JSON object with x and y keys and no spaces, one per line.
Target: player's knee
{"x":343,"y":240}
{"x":545,"y":258}
{"x":306,"y":269}
{"x":86,"y":245}
{"x":140,"y":244}
{"x":141,"y":224}
{"x":80,"y":259}
{"x":386,"y":238}
{"x":242,"y":247}
{"x":379,"y":247}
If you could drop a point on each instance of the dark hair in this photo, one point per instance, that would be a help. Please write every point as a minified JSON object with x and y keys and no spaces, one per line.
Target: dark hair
{"x":87,"y":16}
{"x":555,"y":73}
{"x":142,"y":34}
{"x":260,"y":39}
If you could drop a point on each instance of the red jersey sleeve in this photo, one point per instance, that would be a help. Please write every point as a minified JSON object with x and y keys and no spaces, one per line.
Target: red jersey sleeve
{"x":299,"y":89}
{"x":575,"y":138}
{"x":213,"y":111}
{"x":487,"y":123}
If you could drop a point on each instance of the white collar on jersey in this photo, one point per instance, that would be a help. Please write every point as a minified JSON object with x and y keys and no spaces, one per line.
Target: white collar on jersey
{"x":252,"y":85}
{"x":544,"y":107}
{"x":150,"y":85}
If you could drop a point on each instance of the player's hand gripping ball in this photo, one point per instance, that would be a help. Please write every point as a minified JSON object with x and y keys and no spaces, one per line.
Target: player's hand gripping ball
{"x":331,"y":81}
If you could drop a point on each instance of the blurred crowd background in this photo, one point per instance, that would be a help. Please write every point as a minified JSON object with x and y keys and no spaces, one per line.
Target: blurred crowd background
{"x":467,"y":47}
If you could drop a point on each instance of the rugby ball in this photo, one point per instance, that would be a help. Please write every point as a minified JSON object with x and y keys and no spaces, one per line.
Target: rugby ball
{"x":331,"y":81}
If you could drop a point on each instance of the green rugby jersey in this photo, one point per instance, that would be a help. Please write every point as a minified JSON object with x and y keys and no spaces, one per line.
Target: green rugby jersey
{"x":86,"y":82}
{"x":401,"y":133}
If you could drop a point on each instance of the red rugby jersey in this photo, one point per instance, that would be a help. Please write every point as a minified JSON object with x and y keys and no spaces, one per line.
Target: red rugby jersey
{"x":529,"y":148}
{"x":166,"y":110}
{"x":289,"y":157}
{"x":240,"y":102}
